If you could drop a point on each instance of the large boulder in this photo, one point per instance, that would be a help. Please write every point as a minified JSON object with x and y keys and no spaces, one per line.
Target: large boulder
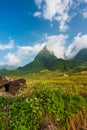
{"x":11,"y":86}
{"x":14,"y":86}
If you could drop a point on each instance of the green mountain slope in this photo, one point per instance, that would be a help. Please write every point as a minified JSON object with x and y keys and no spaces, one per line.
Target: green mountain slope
{"x":43,"y":59}
{"x":82,"y":55}
{"x":67,"y":65}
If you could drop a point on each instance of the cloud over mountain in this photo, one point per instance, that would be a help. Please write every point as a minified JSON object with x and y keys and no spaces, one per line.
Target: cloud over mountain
{"x":79,"y":43}
{"x":23,"y":54}
{"x":58,"y":44}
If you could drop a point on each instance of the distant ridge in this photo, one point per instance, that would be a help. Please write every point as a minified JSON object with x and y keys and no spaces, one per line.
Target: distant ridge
{"x":82,"y":55}
{"x":8,"y":67}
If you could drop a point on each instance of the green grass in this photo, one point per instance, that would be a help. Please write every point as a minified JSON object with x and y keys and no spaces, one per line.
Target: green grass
{"x":49,"y":95}
{"x":27,"y":112}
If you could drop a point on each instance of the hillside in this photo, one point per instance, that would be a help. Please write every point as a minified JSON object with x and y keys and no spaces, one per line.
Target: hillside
{"x":41,"y":61}
{"x":67,"y":65}
{"x":82,"y":55}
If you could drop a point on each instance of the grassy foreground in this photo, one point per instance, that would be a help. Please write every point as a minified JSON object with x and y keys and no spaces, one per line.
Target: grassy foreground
{"x":61,"y":98}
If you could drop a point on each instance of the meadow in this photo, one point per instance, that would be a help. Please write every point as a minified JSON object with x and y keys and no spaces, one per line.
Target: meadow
{"x":49,"y":95}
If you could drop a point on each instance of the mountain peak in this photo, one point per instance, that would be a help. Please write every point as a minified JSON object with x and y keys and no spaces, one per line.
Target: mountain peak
{"x":45,"y":53}
{"x":43,"y":59}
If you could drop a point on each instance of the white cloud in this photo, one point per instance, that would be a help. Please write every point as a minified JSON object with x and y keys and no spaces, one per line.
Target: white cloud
{"x":29,"y":50}
{"x":12,"y":59}
{"x":56,"y":10}
{"x":23,"y":54}
{"x":61,"y":11}
{"x":56,"y":44}
{"x":37,"y":14}
{"x":79,"y":42}
{"x":10,"y":45}
{"x":63,"y":27}
{"x":84,"y":13}
{"x":38,"y":3}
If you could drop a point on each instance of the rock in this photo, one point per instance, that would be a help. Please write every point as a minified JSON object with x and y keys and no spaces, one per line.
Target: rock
{"x":14,"y":86}
{"x":11,"y":86}
{"x":48,"y":125}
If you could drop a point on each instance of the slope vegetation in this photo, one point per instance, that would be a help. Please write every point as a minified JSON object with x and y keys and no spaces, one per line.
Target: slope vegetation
{"x":82,"y":55}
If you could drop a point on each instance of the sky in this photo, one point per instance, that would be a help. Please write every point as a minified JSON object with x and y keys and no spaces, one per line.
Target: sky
{"x":26,"y":26}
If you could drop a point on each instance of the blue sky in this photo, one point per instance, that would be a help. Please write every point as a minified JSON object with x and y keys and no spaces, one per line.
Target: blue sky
{"x":26,"y":26}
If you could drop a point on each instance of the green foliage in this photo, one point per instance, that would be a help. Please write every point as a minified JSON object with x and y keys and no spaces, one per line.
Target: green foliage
{"x":27,"y":112}
{"x":66,"y":65}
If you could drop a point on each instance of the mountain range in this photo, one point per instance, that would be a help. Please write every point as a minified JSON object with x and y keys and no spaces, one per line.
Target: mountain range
{"x":46,"y":60}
